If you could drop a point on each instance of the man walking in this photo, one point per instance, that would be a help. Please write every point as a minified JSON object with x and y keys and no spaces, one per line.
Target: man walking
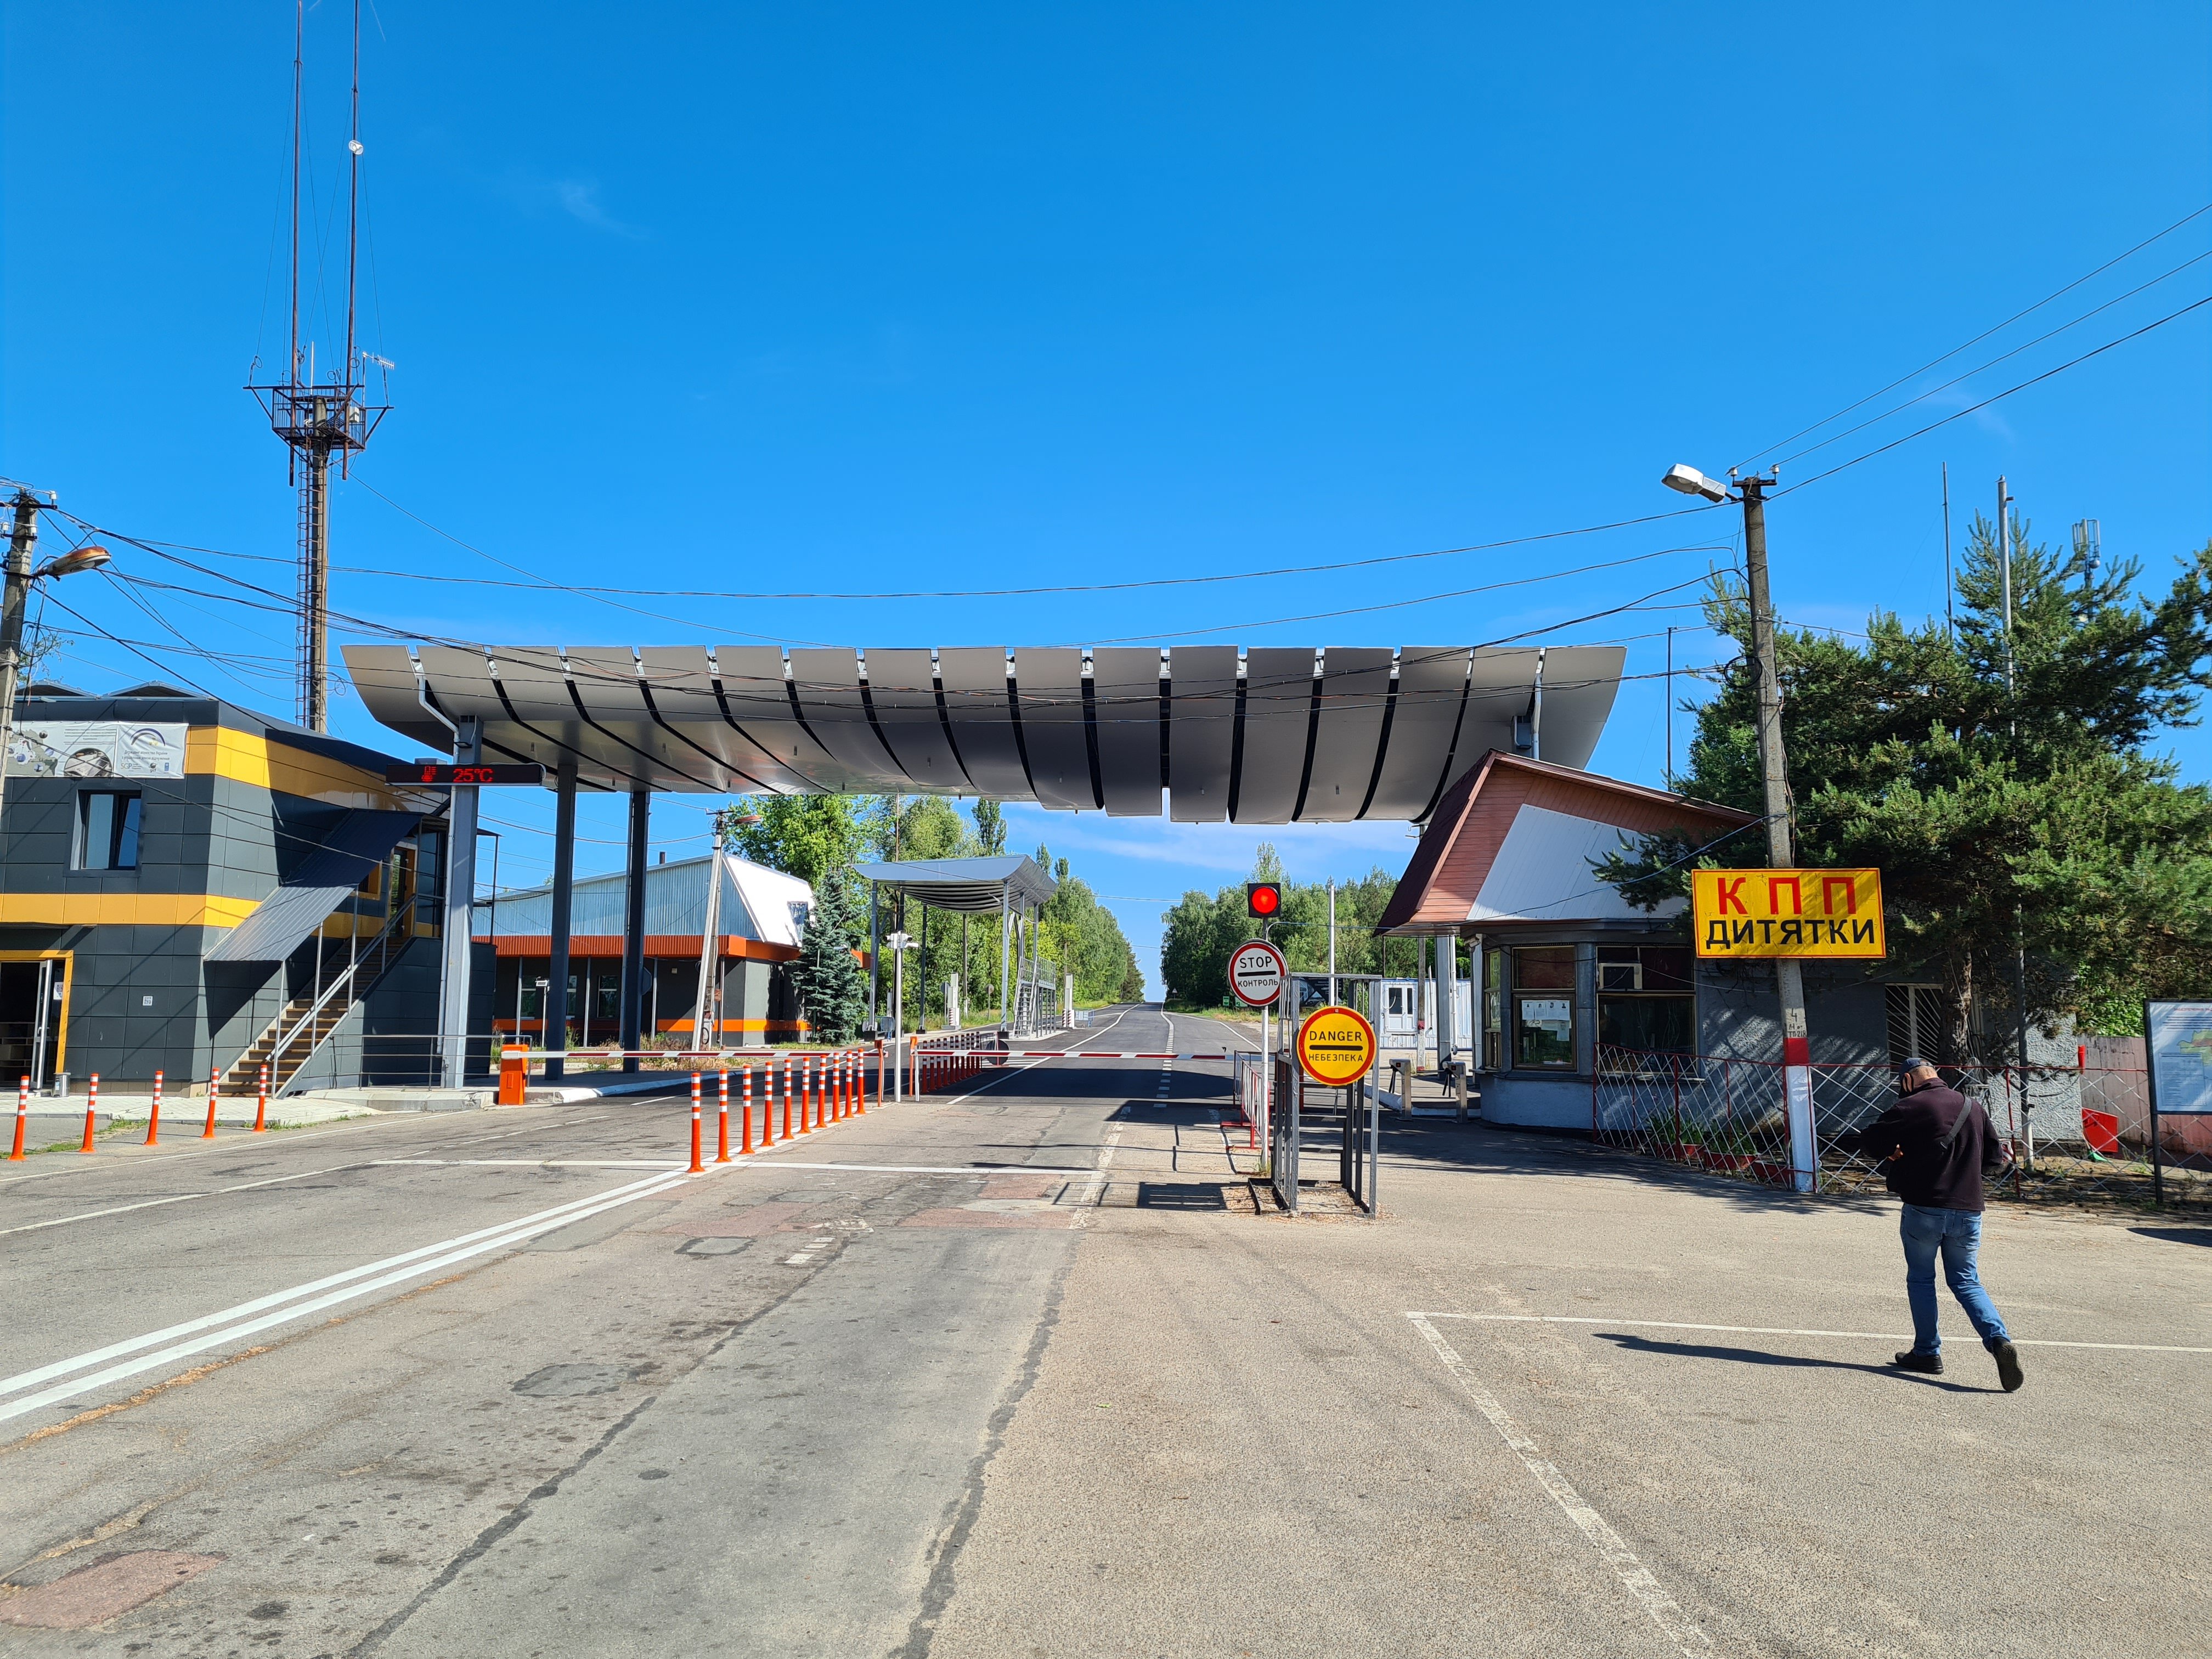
{"x":1934,"y":1145}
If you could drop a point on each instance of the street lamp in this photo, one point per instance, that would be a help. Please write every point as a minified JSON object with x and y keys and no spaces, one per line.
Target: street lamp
{"x":1774,"y":781}
{"x":22,"y":544}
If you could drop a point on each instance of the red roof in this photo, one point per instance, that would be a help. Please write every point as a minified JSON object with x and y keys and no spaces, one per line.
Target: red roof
{"x":1465,"y":833}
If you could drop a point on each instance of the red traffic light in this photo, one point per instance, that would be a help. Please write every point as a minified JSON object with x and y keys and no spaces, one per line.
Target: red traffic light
{"x":1263,"y":899}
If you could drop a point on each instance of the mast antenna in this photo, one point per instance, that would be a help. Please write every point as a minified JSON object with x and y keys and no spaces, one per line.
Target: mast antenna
{"x":317,"y":420}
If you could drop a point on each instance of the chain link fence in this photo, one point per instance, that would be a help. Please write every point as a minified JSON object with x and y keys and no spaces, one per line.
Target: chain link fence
{"x":2080,"y":1134}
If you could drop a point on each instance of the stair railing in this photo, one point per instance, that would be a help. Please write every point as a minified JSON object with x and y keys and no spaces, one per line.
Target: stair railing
{"x":379,"y":952}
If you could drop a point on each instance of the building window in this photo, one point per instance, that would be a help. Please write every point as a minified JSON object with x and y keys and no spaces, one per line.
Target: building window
{"x":1646,"y":999}
{"x":1544,"y":1007}
{"x":107,"y":830}
{"x":1920,"y":1022}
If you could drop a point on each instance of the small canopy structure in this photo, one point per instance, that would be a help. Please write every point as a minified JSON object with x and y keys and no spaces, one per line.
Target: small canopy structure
{"x":1012,"y":885}
{"x":974,"y":886}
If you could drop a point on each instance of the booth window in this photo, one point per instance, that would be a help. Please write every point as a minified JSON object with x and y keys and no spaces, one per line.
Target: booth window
{"x":107,"y":830}
{"x":1544,"y":1007}
{"x":1646,"y":1000}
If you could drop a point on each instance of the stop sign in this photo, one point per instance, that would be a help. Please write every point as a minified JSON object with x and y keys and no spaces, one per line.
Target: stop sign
{"x":1255,"y":973}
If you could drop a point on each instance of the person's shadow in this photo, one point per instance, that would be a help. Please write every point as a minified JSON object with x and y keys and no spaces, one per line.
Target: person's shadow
{"x":1759,"y":1357}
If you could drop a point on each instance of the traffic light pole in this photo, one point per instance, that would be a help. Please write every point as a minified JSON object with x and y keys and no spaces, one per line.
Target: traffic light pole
{"x":1780,"y":848}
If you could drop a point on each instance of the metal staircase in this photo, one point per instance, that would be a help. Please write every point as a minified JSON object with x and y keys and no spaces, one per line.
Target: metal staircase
{"x":344,"y":973}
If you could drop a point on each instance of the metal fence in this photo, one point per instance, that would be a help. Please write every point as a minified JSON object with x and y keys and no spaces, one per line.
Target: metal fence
{"x":2077,"y":1133}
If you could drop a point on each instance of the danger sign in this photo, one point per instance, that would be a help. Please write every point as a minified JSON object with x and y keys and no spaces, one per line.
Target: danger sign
{"x":1255,"y":973}
{"x":1335,"y":1047}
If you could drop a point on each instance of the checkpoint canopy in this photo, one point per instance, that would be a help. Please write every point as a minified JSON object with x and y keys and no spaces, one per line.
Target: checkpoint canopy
{"x":972,"y":886}
{"x":1264,"y":735}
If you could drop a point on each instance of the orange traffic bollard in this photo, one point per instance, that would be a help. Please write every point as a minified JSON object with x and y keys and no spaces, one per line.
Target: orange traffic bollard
{"x":833,"y":1067}
{"x":91,"y":1105}
{"x":787,"y":1097}
{"x":722,"y":1121}
{"x":698,"y":1167}
{"x":214,"y":1093}
{"x":261,"y":1103}
{"x":767,"y":1103}
{"x":154,"y":1117}
{"x":747,"y":1147}
{"x":805,"y":1092}
{"x":514,"y":1075}
{"x":23,"y":1117}
{"x":860,"y":1079}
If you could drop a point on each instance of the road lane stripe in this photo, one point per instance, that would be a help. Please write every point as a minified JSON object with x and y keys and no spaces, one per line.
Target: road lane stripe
{"x":1688,"y":1637}
{"x":179,"y":1198}
{"x":344,"y":1293}
{"x":534,"y":1162}
{"x":1785,"y":1330}
{"x":552,"y":1216}
{"x":922,"y":1168}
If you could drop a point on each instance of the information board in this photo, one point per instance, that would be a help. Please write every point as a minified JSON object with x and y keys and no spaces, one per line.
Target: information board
{"x":2179,"y":1035}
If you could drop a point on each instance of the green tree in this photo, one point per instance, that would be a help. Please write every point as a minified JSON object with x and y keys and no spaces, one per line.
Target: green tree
{"x":832,"y":990}
{"x":990,"y":829}
{"x":1999,"y":814}
{"x":803,"y":835}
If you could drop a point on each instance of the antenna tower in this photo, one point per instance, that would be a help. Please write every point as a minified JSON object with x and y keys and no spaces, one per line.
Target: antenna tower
{"x":319,"y":418}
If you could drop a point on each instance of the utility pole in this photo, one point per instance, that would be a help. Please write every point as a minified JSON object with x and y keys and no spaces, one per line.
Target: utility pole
{"x":23,"y":542}
{"x":2019,"y":911}
{"x":1950,"y":625}
{"x":1774,"y":785}
{"x":1670,"y":708}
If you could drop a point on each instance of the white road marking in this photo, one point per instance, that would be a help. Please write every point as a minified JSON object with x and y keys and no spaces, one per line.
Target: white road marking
{"x":920,"y":1168}
{"x":179,"y":1198}
{"x":211,"y":1330}
{"x":796,"y":1260}
{"x":538,"y":1163}
{"x":1635,"y":1578}
{"x":1785,"y":1330}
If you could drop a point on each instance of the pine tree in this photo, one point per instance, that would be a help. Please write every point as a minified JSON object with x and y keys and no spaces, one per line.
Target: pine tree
{"x":832,"y":990}
{"x":1997,"y":813}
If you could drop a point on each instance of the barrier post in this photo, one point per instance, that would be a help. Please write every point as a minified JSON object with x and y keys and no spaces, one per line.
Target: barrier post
{"x":153,"y":1115}
{"x":806,"y":1090}
{"x":787,"y":1097}
{"x":722,"y":1121}
{"x":698,"y":1167}
{"x":91,"y":1105}
{"x":860,"y":1080}
{"x":214,"y":1093}
{"x":746,"y":1149}
{"x":844,"y":1086}
{"x":23,"y":1117}
{"x":879,"y":1071}
{"x":261,"y":1102}
{"x":514,"y":1073}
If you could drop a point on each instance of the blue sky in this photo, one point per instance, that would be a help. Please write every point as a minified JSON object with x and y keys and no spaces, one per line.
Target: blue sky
{"x":861,"y":298}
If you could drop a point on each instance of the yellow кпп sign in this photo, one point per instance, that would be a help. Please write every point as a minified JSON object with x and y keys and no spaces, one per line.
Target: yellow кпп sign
{"x":1788,"y":913}
{"x":1335,"y":1047}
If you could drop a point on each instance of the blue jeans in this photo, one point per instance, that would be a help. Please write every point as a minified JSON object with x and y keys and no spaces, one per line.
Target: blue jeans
{"x":1957,"y":1235}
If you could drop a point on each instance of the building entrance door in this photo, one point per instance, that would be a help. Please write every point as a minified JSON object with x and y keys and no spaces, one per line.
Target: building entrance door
{"x":31,"y":1009}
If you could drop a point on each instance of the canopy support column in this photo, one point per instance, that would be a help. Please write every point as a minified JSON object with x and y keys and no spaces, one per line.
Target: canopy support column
{"x":555,"y":1004}
{"x":460,"y":907}
{"x":633,"y":957}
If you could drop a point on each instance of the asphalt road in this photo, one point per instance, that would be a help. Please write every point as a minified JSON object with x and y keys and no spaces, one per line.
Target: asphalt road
{"x":1022,"y":1369}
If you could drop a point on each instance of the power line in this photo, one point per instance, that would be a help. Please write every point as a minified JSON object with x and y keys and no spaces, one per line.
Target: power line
{"x":1979,"y":338}
{"x":1019,"y":592}
{"x":2099,"y":351}
{"x":2002,"y":356}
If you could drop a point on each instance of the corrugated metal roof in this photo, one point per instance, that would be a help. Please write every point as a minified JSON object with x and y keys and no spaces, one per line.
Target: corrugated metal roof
{"x":281,"y":923}
{"x":974,"y":886}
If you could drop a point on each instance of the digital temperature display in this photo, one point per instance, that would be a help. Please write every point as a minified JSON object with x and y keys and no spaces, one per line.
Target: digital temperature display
{"x":438,"y":776}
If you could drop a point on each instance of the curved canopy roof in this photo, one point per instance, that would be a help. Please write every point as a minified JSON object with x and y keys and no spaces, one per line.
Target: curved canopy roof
{"x":974,"y":886}
{"x":1269,"y":735}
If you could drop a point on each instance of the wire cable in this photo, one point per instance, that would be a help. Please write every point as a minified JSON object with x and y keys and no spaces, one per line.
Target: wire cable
{"x":1935,"y":363}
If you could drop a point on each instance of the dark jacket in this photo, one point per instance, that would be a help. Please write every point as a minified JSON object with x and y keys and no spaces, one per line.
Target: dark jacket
{"x":1902,"y":1143}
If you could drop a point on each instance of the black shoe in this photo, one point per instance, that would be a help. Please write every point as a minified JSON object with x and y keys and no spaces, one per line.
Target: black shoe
{"x":1912,"y":1360}
{"x":2008,"y":1363}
